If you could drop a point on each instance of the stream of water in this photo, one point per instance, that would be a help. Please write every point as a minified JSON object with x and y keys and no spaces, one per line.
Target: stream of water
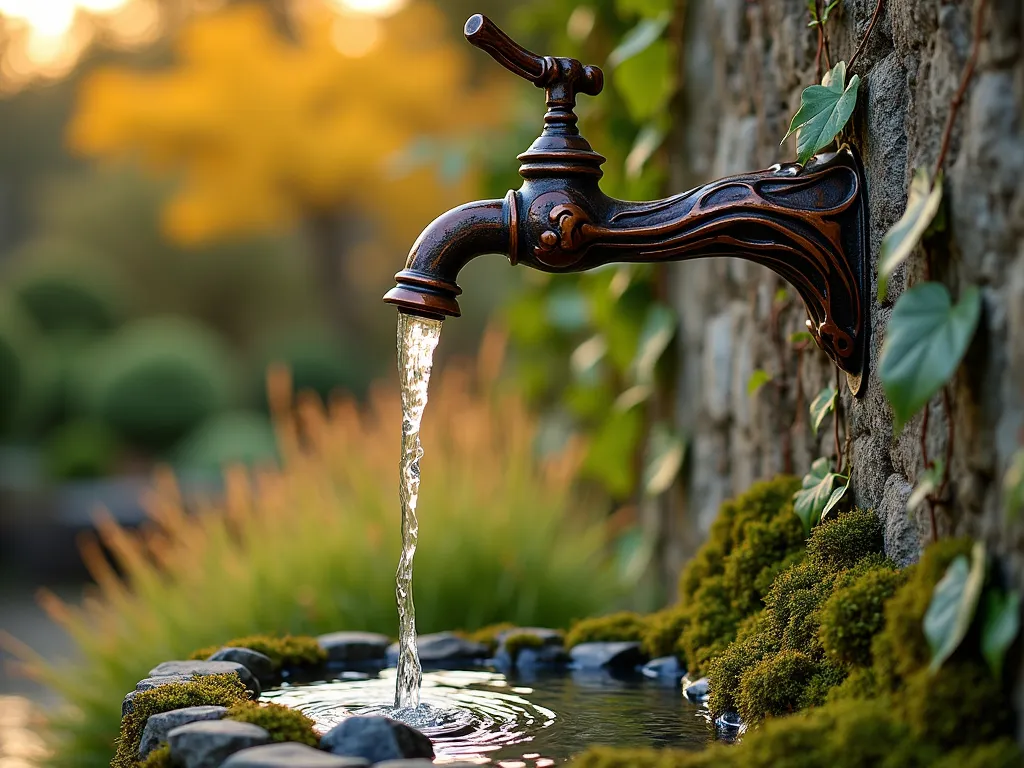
{"x":417,"y":340}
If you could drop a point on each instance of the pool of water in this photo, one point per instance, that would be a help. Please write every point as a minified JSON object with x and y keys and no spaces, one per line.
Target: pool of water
{"x":486,"y":717}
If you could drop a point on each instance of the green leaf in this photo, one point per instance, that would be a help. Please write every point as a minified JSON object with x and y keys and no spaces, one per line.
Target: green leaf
{"x":649,"y":138}
{"x":639,"y":39}
{"x":586,"y":358}
{"x":901,"y":239}
{"x":645,"y":82}
{"x":835,"y":498}
{"x":646,"y":8}
{"x":828,"y":11}
{"x":810,"y":501}
{"x":925,"y":341}
{"x":824,"y":110}
{"x":800,"y":337}
{"x":665,"y":451}
{"x":927,"y":485}
{"x":658,"y":331}
{"x":609,"y":458}
{"x":822,"y":406}
{"x":999,"y":628}
{"x":953,"y":605}
{"x":757,"y":379}
{"x":1013,"y":486}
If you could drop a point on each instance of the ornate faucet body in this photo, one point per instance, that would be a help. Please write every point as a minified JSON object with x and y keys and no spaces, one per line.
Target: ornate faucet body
{"x":806,"y":223}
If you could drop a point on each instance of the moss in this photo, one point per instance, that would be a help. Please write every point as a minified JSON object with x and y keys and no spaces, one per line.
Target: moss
{"x":710,"y":627}
{"x":286,"y":651}
{"x":827,"y":676}
{"x":901,"y":649}
{"x":1003,"y":753}
{"x":792,"y":605}
{"x":774,"y":686}
{"x":855,"y":613}
{"x":158,"y":758}
{"x":644,"y":757}
{"x":663,"y":630}
{"x":859,"y":685}
{"x":218,"y":690}
{"x":515,"y":643}
{"x":489,"y":635}
{"x":838,"y":544}
{"x":282,"y":723}
{"x":726,"y":669}
{"x":624,"y":626}
{"x":765,"y":545}
{"x":961,"y":705}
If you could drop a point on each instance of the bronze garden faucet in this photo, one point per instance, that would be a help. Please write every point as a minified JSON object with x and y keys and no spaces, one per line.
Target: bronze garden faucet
{"x":807,"y":223}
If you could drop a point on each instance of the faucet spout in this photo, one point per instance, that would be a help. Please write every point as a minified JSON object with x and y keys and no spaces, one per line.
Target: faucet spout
{"x":427,"y":287}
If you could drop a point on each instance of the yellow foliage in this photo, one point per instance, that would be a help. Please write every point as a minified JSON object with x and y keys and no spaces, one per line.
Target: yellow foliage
{"x":265,"y":130}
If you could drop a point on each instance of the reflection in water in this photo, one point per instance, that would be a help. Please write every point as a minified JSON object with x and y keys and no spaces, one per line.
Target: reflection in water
{"x":484,"y":717}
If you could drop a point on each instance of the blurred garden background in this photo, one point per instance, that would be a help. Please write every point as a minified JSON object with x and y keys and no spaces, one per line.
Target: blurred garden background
{"x":201,"y":204}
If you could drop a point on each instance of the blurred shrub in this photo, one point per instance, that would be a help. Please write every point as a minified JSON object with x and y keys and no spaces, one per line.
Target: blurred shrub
{"x":55,"y":367}
{"x":81,"y":449}
{"x":157,"y":379}
{"x":313,"y":547}
{"x":64,"y":286}
{"x":226,"y":438}
{"x":317,"y":362}
{"x":16,"y":334}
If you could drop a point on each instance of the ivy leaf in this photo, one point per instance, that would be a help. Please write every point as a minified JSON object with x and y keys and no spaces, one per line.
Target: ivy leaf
{"x":800,"y":337}
{"x":810,"y":501}
{"x":639,"y":39}
{"x":665,"y":450}
{"x":658,"y":331}
{"x":609,"y":457}
{"x":757,"y":379}
{"x":999,"y":627}
{"x":1013,"y":486}
{"x":925,"y":341}
{"x":901,"y":239}
{"x":954,"y":603}
{"x":927,"y":485}
{"x":644,"y":81}
{"x":824,"y":110}
{"x":821,"y":407}
{"x":647,"y":141}
{"x":835,"y":498}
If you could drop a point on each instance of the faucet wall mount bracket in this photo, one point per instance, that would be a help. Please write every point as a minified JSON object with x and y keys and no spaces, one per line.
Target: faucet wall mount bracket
{"x":806,"y":223}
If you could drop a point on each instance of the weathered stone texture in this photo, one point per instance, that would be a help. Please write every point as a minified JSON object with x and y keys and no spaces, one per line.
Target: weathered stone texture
{"x":744,"y":66}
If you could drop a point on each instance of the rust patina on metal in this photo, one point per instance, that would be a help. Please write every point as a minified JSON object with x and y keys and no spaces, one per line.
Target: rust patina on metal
{"x":807,"y":223}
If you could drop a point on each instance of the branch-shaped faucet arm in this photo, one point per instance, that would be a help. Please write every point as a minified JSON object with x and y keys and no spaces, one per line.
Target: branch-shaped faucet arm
{"x":806,"y":223}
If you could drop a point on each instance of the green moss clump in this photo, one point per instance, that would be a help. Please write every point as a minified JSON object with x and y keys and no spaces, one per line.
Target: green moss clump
{"x":517,"y":642}
{"x":753,"y":562}
{"x":662,"y":631}
{"x":489,"y":635}
{"x":727,"y":668}
{"x":859,"y":685}
{"x":285,"y":651}
{"x":710,"y":627}
{"x":827,"y":676}
{"x":855,"y":613}
{"x":715,"y":756}
{"x":216,"y":690}
{"x":623,"y":626}
{"x":962,"y":704}
{"x":282,"y":723}
{"x":774,"y":686}
{"x":158,"y":758}
{"x":1003,"y":753}
{"x":792,"y":604}
{"x":838,"y":544}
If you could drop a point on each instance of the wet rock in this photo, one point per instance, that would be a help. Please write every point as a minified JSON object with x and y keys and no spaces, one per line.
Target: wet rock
{"x":419,"y":762}
{"x":443,"y":647}
{"x":376,"y":739}
{"x":620,"y":655}
{"x":162,"y":723}
{"x":193,"y":669}
{"x":290,"y":755}
{"x":728,"y":720}
{"x":696,"y":690}
{"x":354,"y":647}
{"x":207,"y":744}
{"x":664,"y":668}
{"x":545,"y":657}
{"x":261,"y":665}
{"x":149,"y":684}
{"x":551,"y":652}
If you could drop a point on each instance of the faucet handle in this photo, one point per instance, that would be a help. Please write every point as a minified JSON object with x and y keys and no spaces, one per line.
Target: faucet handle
{"x":562,"y":78}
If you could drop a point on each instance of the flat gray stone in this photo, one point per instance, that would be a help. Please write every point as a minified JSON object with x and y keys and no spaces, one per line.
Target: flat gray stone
{"x":147,"y":685}
{"x":443,"y":647}
{"x":697,"y":690}
{"x":162,"y":723}
{"x":665,"y":668}
{"x":209,"y":743}
{"x":194,"y":669}
{"x":290,"y":755}
{"x":621,"y":655}
{"x":354,"y":647}
{"x":376,"y":739}
{"x":261,"y":665}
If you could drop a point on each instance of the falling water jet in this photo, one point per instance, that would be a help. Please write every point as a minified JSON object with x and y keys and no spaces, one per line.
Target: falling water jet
{"x":417,"y":340}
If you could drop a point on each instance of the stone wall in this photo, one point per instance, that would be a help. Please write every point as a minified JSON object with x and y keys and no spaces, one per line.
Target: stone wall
{"x":745,"y":63}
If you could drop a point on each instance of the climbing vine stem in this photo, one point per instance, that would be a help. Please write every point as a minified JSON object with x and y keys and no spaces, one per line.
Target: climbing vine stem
{"x":867,"y":34}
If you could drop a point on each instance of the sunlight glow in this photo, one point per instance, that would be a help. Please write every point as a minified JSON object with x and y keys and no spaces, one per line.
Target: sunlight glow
{"x":371,"y":7}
